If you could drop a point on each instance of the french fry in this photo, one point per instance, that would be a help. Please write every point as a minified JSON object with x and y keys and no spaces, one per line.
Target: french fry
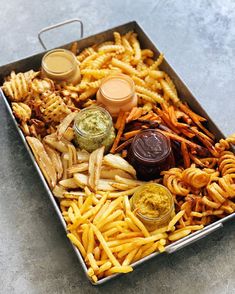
{"x":110,"y":173}
{"x":138,"y":223}
{"x":112,"y":225}
{"x":131,"y":225}
{"x":78,"y":168}
{"x":112,"y":206}
{"x":59,"y":191}
{"x":55,"y":159}
{"x":82,"y":156}
{"x":76,"y":210}
{"x":129,"y":235}
{"x":175,"y":219}
{"x":138,"y":255}
{"x":82,"y":181}
{"x":77,"y":243}
{"x":126,"y":203}
{"x":129,"y":182}
{"x":123,"y":193}
{"x":43,"y":160}
{"x":110,"y":218}
{"x":94,"y":169}
{"x":91,"y":245}
{"x":159,"y":231}
{"x":68,"y":183}
{"x":101,"y":211}
{"x":129,"y":257}
{"x":150,"y":250}
{"x":119,"y":269}
{"x":65,"y":124}
{"x":104,"y":267}
{"x":96,"y":253}
{"x":74,"y":48}
{"x":110,"y":232}
{"x":71,"y":215}
{"x":120,"y":186}
{"x":103,"y":243}
{"x":150,"y":239}
{"x":90,"y":272}
{"x":179,"y":234}
{"x":92,"y":261}
{"x":94,"y":278}
{"x":85,"y":236}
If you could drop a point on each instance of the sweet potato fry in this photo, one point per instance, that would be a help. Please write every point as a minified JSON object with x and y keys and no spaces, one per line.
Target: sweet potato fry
{"x":131,"y":114}
{"x":197,"y":119}
{"x":119,"y":120}
{"x":123,"y":145}
{"x":119,"y":134}
{"x":185,"y":154}
{"x":180,"y":139}
{"x":131,"y":134}
{"x":165,"y":118}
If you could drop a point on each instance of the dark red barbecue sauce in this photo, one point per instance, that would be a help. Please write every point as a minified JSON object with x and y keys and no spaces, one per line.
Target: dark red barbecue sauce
{"x":150,"y":153}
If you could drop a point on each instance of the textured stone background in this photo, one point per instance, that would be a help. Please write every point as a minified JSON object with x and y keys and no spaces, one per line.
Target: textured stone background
{"x":198,"y":38}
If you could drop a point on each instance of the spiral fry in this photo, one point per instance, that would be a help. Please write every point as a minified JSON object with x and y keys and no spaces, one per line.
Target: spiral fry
{"x":172,"y":179}
{"x":227,"y":163}
{"x":195,"y":177}
{"x":225,"y":144}
{"x":222,"y":190}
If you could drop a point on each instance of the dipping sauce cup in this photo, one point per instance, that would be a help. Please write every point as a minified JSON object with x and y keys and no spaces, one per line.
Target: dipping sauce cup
{"x":116,"y":93}
{"x":93,"y":128}
{"x":150,"y":153}
{"x":61,"y":65}
{"x":153,"y":204}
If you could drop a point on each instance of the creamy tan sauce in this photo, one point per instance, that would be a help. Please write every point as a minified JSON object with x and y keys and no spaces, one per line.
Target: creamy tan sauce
{"x":58,"y":62}
{"x":116,"y":88}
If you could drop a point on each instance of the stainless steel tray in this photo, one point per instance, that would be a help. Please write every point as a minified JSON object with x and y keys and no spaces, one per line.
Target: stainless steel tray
{"x":34,"y":62}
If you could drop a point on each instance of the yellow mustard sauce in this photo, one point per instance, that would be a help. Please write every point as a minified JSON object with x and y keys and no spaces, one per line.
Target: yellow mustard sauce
{"x":153,"y":204}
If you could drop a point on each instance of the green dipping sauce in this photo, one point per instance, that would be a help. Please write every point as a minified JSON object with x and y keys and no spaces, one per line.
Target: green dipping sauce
{"x":94,"y":128}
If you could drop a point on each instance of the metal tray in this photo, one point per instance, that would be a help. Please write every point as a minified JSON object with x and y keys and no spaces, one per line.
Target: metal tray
{"x":34,"y":62}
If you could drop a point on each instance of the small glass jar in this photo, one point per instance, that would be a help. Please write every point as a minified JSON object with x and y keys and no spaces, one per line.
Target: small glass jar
{"x":152,"y":221}
{"x":150,"y":153}
{"x":61,"y":65}
{"x":94,"y":128}
{"x":117,"y":92}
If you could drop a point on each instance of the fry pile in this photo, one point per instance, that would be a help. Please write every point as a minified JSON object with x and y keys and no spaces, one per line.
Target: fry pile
{"x":109,"y":235}
{"x":93,"y":190}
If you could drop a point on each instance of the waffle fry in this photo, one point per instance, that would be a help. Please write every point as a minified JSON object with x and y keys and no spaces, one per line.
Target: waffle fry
{"x":53,"y":108}
{"x":17,"y":87}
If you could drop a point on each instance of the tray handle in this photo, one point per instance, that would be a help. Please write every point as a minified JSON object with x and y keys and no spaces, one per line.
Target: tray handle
{"x":192,"y":238}
{"x":60,"y":24}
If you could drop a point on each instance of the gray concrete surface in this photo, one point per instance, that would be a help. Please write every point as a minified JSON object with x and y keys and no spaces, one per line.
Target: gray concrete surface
{"x":198,"y":38}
